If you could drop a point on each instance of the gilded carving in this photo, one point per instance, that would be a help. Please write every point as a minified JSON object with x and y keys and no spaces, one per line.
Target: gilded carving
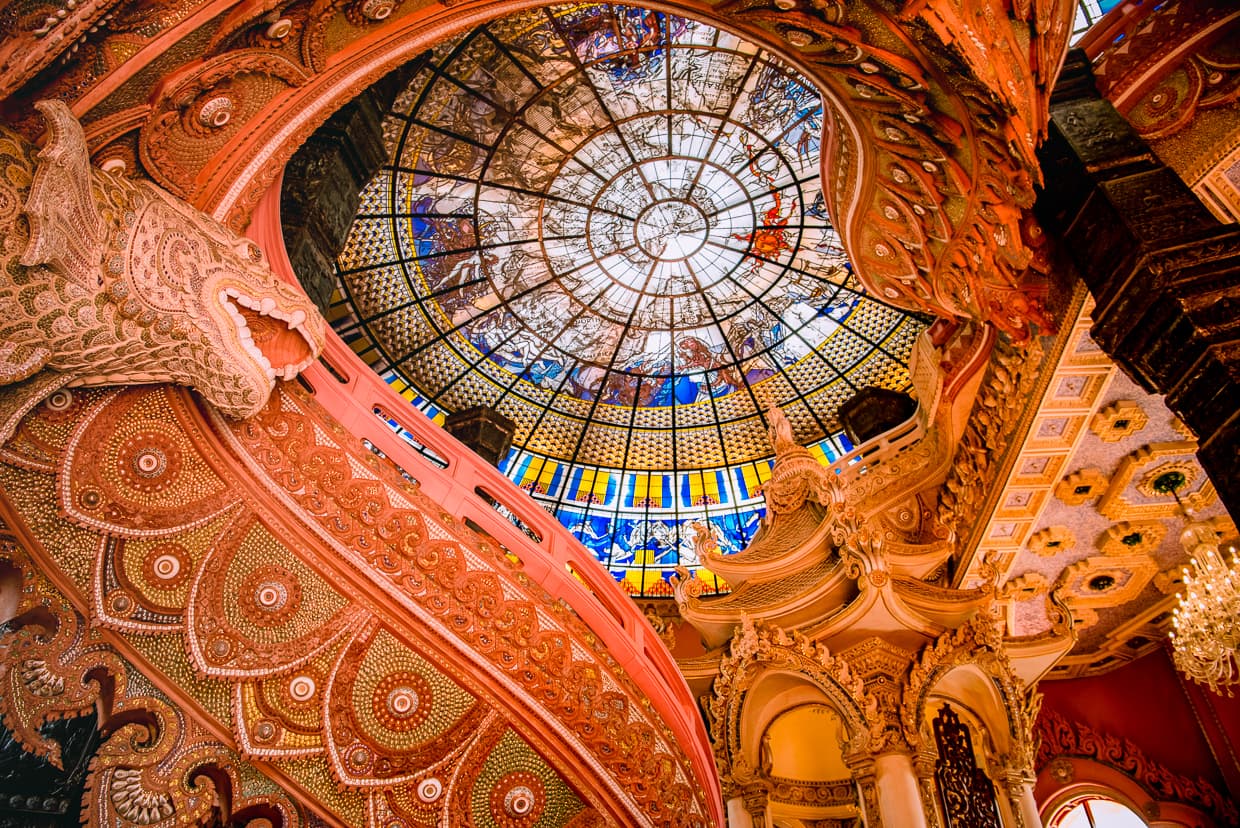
{"x":1106,"y":581}
{"x":1132,"y":537}
{"x":51,"y":667}
{"x":160,"y":768}
{"x":1052,"y":541}
{"x":1141,"y":469}
{"x":1024,"y":587}
{"x":156,"y":766}
{"x":206,"y":105}
{"x":1005,"y":388}
{"x":757,"y":648}
{"x":1119,"y":420}
{"x":1080,"y":486}
{"x":796,"y":476}
{"x":112,"y":281}
{"x":978,"y":642}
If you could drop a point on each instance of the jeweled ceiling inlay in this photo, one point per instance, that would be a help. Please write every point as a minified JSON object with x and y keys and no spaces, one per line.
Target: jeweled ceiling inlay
{"x":608,"y":223}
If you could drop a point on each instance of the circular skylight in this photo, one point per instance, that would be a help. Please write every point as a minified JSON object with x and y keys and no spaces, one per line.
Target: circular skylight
{"x":608,"y":224}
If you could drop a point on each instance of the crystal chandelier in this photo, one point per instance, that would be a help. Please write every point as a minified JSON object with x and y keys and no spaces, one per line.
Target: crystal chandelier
{"x":1205,"y":636}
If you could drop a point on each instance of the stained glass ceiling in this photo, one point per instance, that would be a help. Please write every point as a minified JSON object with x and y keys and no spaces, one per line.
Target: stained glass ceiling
{"x":608,"y":223}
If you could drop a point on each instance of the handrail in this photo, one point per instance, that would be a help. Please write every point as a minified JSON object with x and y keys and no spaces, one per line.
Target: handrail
{"x":560,"y":564}
{"x":1106,"y":29}
{"x":343,"y":384}
{"x":881,"y":447}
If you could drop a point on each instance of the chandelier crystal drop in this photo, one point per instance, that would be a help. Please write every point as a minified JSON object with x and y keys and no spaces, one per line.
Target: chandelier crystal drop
{"x":1205,"y":634}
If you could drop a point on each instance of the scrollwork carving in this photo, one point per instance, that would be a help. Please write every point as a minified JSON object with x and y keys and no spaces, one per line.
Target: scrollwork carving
{"x":1006,"y":386}
{"x":156,"y":767}
{"x":755,"y":649}
{"x":1059,"y":738}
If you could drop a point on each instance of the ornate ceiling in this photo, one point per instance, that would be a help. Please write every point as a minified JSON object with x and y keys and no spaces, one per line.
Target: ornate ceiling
{"x":607,"y":223}
{"x":928,"y":117}
{"x":1078,"y":514}
{"x":928,"y":120}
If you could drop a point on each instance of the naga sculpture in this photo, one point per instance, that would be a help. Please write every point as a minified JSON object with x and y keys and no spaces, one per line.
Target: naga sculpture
{"x":105,"y":280}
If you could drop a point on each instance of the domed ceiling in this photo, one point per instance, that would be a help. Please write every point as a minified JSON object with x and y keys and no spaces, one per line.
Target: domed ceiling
{"x":607,"y":223}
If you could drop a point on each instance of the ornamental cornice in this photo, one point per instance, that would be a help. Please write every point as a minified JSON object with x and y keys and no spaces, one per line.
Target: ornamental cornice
{"x":1001,"y":403}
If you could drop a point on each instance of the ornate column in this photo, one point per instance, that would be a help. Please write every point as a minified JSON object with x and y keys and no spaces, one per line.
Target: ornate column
{"x":864,"y":774}
{"x":923,"y":766}
{"x":755,"y":798}
{"x":899,"y":795}
{"x":1020,"y":786}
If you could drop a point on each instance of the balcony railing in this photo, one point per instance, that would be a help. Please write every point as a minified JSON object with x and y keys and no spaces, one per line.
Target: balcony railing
{"x":476,"y":493}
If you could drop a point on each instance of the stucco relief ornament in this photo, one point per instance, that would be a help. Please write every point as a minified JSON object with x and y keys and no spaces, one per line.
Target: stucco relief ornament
{"x":757,"y":648}
{"x":107,"y":281}
{"x":704,"y":541}
{"x":978,"y":642}
{"x":796,"y":477}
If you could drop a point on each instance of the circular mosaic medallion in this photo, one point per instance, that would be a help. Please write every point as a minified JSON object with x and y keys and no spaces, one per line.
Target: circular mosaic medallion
{"x":401,"y":701}
{"x":302,"y":688}
{"x":266,"y":731}
{"x":166,"y":565}
{"x":148,"y":461}
{"x":517,"y":799}
{"x":60,"y":401}
{"x":429,"y":790}
{"x":270,"y":595}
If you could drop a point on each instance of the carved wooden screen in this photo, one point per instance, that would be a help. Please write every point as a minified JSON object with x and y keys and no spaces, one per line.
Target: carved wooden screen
{"x":968,"y":794}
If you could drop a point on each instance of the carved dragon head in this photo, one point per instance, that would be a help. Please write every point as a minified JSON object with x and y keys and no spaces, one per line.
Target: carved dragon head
{"x":142,"y":288}
{"x":181,"y":274}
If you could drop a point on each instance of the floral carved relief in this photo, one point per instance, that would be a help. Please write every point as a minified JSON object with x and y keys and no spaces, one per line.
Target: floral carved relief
{"x":1059,"y":740}
{"x":254,"y":606}
{"x":155,"y":766}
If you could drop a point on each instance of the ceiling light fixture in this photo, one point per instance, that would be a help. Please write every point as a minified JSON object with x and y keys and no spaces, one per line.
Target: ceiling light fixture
{"x":1205,"y":627}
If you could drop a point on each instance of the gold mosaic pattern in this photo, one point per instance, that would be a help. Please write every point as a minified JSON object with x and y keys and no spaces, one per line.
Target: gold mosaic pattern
{"x":290,"y":662}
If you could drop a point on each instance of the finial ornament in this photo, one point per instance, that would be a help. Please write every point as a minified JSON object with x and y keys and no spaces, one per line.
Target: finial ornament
{"x":780,"y":430}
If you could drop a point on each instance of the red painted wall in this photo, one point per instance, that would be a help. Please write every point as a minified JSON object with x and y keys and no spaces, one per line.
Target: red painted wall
{"x":1147,"y":703}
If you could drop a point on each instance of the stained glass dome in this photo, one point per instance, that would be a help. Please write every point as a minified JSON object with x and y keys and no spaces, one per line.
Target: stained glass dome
{"x":608,"y":224}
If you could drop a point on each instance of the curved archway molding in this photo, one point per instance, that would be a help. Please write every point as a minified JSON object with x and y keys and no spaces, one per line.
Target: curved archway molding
{"x":934,"y":110}
{"x":883,"y":697}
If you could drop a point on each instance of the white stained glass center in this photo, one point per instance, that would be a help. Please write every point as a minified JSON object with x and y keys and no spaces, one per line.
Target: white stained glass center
{"x":671,"y":231}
